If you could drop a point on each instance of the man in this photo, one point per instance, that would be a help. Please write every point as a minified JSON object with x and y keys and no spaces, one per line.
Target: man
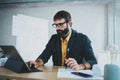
{"x":67,"y":47}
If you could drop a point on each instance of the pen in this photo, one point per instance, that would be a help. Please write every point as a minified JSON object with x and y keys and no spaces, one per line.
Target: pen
{"x":67,"y":56}
{"x":65,"y":66}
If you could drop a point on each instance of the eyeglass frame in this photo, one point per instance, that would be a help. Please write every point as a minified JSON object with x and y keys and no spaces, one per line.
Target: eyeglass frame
{"x":58,"y":25}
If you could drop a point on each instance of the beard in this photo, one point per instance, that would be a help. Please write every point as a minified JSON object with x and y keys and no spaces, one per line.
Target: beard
{"x":63,"y":33}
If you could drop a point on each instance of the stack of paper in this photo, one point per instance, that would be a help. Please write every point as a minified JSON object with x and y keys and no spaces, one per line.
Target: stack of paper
{"x":66,"y":73}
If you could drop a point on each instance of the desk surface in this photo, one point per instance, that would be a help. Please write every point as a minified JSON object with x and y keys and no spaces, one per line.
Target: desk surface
{"x":49,"y":73}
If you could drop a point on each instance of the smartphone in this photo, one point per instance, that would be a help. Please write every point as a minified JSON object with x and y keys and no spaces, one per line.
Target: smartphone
{"x":82,"y":74}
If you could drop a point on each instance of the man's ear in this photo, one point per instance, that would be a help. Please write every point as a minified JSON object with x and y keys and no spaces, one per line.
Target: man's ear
{"x":70,"y":23}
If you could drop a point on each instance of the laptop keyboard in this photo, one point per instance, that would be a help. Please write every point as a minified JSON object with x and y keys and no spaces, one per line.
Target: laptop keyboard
{"x":35,"y":70}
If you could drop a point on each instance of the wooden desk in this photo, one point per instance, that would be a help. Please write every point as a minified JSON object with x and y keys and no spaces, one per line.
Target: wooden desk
{"x":49,"y":73}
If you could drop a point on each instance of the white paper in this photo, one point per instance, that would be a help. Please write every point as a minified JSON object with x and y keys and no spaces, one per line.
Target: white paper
{"x":31,"y":35}
{"x":66,"y":73}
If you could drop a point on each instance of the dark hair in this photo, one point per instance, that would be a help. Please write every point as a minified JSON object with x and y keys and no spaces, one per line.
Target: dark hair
{"x":63,"y":14}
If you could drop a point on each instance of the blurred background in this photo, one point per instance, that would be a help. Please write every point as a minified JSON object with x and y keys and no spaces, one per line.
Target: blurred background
{"x":26,"y":24}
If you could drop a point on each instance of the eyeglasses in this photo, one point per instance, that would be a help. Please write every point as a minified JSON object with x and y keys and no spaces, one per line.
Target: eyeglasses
{"x":58,"y":25}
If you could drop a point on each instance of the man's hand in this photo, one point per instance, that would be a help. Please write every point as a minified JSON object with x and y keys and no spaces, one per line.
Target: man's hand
{"x":72,"y":63}
{"x":36,"y":63}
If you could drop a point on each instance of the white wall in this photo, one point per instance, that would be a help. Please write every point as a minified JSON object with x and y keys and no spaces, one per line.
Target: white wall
{"x":90,"y":19}
{"x":29,"y":32}
{"x":117,"y":22}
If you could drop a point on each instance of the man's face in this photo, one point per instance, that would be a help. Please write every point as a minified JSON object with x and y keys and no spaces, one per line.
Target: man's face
{"x":61,"y":27}
{"x":60,"y":24}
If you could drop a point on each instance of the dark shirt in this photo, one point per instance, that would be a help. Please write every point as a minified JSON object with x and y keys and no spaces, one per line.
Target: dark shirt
{"x":79,"y":48}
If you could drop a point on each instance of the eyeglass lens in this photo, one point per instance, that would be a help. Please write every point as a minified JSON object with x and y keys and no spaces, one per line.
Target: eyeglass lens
{"x":58,"y":25}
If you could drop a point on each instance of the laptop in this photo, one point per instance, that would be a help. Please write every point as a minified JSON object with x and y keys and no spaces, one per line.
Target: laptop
{"x":15,"y":61}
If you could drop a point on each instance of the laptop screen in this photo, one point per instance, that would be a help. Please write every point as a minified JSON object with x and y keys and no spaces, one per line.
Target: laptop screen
{"x":15,"y":61}
{"x":11,"y":52}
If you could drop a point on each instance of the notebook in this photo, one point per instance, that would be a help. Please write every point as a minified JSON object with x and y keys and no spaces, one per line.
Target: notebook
{"x":15,"y":61}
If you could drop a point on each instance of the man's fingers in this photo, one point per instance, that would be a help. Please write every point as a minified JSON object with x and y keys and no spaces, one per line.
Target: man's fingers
{"x":31,"y":62}
{"x":71,"y":62}
{"x":68,"y":60}
{"x":72,"y":65}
